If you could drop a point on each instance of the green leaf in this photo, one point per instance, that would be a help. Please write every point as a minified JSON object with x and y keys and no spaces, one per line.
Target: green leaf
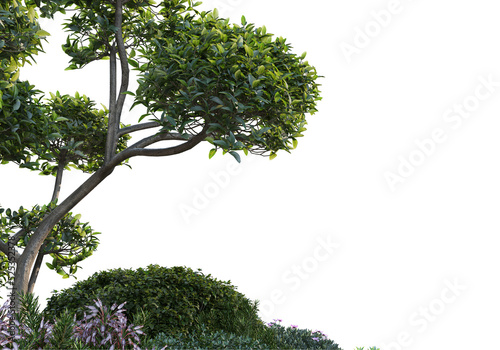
{"x":231,"y":139}
{"x":133,"y":63}
{"x":221,"y":143}
{"x":261,"y":70}
{"x":212,"y":153}
{"x":251,"y":79}
{"x":272,"y":156}
{"x":16,"y":106}
{"x":248,"y":50}
{"x":217,"y":100}
{"x":42,"y":33}
{"x":197,"y":109}
{"x":236,"y":156}
{"x":16,"y":76}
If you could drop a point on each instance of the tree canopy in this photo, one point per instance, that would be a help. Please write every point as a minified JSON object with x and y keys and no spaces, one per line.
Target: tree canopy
{"x":199,"y":77}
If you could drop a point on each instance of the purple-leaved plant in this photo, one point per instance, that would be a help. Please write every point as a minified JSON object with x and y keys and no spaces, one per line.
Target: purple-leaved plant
{"x":107,"y":326}
{"x":102,"y":327}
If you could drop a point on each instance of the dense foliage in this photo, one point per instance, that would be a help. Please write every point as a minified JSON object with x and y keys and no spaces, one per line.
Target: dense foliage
{"x":251,"y":89}
{"x":177,"y":299}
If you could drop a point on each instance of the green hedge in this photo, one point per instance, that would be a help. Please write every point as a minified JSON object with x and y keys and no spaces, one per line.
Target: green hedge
{"x":172,"y":300}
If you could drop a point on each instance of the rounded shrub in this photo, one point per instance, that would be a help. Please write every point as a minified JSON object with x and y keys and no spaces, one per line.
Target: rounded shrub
{"x":176,"y":300}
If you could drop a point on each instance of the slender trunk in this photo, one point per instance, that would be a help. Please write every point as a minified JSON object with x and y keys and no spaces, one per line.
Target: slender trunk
{"x":112,"y":125}
{"x":36,"y":270}
{"x":27,"y":259}
{"x":59,"y":175}
{"x":116,"y":102}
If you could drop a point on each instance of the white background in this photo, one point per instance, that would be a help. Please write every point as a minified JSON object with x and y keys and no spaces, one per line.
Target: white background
{"x":386,"y":278}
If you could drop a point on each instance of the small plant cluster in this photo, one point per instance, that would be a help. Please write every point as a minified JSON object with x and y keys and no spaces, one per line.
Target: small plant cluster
{"x":295,"y":338}
{"x":274,"y":337}
{"x":103,"y":327}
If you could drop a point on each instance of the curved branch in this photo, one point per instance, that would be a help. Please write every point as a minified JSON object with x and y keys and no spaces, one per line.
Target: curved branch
{"x":137,"y":127}
{"x":139,"y":150}
{"x":157,"y":138}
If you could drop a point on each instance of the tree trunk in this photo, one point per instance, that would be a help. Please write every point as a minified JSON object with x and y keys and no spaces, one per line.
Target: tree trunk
{"x":30,"y":253}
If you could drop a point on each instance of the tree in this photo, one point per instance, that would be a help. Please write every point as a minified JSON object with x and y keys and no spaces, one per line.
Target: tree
{"x":200,"y":79}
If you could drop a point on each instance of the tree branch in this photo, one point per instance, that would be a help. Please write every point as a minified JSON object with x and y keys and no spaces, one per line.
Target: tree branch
{"x":137,"y":127}
{"x":138,"y":150}
{"x":4,"y":248}
{"x":60,"y":169}
{"x":157,"y":138}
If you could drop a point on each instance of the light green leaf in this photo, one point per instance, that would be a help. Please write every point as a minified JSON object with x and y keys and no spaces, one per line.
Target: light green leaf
{"x":255,"y":83}
{"x":42,"y":33}
{"x":212,"y":153}
{"x":248,"y":50}
{"x":16,"y":76}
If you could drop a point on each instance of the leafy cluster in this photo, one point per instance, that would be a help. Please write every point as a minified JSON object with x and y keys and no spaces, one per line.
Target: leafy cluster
{"x":57,"y":133}
{"x":78,"y":134}
{"x":92,"y":29}
{"x":69,"y":242}
{"x":251,"y":90}
{"x":20,"y":41}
